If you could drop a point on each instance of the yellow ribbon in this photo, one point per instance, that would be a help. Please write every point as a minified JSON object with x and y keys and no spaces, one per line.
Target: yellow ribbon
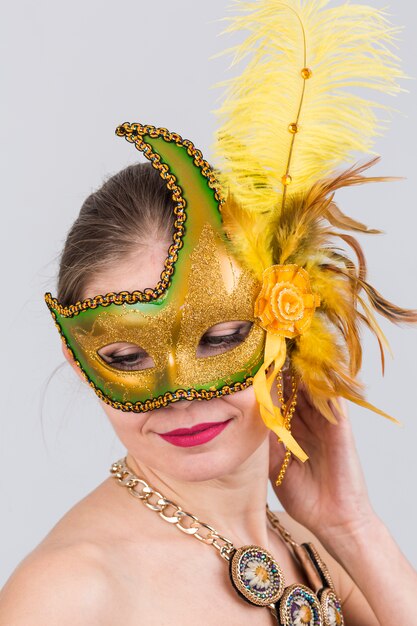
{"x":275,"y":353}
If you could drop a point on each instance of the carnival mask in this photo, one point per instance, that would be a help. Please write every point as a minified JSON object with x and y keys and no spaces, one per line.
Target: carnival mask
{"x":201,"y":286}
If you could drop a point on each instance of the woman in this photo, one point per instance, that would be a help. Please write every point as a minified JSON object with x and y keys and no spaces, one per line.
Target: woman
{"x":112,"y":560}
{"x":154,"y":343}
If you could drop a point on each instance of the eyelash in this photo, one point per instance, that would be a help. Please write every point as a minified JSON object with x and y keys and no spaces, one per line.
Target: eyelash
{"x":228,"y":340}
{"x":130,"y":361}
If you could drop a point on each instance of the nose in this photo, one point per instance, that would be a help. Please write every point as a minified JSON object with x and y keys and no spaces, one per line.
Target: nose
{"x":180,"y":405}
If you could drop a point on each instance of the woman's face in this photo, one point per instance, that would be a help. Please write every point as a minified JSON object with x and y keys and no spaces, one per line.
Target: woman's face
{"x":210,"y":451}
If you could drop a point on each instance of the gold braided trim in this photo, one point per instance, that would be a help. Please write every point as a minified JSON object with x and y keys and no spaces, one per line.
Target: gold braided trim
{"x":168,"y":397}
{"x":134,"y":134}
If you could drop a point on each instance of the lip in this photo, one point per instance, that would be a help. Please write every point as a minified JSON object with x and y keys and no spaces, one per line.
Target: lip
{"x":195,"y":436}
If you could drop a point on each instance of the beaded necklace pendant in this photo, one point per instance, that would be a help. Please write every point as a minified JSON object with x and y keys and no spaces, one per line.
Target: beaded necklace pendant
{"x":259,"y":580}
{"x":299,"y":606}
{"x":256,"y":576}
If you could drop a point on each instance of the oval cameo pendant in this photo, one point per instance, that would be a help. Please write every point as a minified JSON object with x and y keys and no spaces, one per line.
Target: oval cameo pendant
{"x":332,"y":608}
{"x":256,"y":576}
{"x":299,"y":606}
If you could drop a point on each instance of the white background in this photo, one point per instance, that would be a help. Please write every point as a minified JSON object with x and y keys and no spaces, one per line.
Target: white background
{"x":72,"y":73}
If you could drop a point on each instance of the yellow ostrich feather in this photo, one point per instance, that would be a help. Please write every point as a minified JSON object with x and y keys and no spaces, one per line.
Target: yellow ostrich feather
{"x":292,"y":118}
{"x":250,"y":234}
{"x":328,"y":356}
{"x":344,"y":47}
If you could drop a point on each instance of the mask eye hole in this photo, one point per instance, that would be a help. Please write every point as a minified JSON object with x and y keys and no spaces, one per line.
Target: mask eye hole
{"x":126,"y":357}
{"x":223,"y":337}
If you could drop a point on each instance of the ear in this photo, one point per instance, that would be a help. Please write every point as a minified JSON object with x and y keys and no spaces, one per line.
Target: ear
{"x":71,"y":361}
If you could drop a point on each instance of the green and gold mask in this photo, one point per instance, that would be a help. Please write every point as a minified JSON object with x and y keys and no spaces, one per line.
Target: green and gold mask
{"x":201,"y":285}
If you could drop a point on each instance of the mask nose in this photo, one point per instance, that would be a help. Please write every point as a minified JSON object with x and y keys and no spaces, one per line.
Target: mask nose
{"x":171,"y":372}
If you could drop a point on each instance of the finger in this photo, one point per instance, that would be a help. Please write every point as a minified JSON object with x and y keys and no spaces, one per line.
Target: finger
{"x":339,"y":408}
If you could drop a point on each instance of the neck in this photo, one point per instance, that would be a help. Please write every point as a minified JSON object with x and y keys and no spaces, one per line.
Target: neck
{"x":234,"y":504}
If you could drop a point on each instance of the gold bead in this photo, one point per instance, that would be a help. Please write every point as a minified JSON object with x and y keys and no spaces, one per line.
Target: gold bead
{"x":293,"y":128}
{"x":286,"y":179}
{"x":306,"y":73}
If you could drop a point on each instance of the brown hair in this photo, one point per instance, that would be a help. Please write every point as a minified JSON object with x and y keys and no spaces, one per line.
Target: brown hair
{"x":129,"y":209}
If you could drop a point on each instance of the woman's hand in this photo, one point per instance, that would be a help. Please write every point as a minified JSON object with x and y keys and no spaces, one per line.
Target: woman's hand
{"x":327,"y":493}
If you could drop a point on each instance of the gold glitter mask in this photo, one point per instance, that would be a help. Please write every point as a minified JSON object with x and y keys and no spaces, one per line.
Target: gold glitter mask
{"x":169,"y":329}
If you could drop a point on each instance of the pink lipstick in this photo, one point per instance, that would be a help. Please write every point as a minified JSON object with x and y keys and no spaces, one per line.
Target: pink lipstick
{"x":195,"y":436}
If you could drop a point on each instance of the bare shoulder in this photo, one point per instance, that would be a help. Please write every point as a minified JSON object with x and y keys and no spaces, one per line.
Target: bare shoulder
{"x":71,"y":577}
{"x":62,"y":584}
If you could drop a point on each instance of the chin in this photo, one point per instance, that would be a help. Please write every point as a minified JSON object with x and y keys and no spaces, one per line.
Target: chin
{"x":206,"y":462}
{"x":205,"y":466}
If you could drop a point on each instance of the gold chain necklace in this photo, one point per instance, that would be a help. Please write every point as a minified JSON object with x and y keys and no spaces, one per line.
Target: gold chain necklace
{"x":254,"y":573}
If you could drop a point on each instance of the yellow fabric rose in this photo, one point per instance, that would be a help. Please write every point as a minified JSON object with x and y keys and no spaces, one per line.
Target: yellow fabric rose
{"x":286,"y":303}
{"x":285,"y":307}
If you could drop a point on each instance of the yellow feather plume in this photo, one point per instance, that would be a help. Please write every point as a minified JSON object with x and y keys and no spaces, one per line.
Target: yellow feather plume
{"x":328,"y":356}
{"x":291,"y":115}
{"x":250,"y":235}
{"x":287,"y":123}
